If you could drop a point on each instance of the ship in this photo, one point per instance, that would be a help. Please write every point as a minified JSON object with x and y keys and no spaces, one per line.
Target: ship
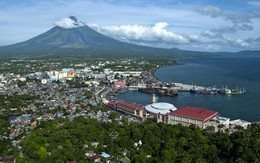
{"x":205,"y":91}
{"x":194,"y":90}
{"x":172,"y":92}
{"x":208,"y":92}
{"x":159,"y":91}
{"x":225,"y":91}
{"x":238,"y":91}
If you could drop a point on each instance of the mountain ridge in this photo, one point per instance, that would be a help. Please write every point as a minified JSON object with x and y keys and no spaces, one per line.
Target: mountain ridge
{"x":84,"y":41}
{"x":81,"y":40}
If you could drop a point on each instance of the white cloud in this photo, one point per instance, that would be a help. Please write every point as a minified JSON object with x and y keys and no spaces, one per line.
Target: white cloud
{"x":254,"y":3}
{"x":209,"y":11}
{"x":211,"y":34}
{"x":156,"y":33}
{"x":242,"y":43}
{"x":183,"y":19}
{"x":193,"y":38}
{"x":69,"y":22}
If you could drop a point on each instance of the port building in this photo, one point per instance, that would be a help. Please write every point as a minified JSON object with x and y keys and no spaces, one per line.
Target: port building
{"x":191,"y":115}
{"x":159,"y":111}
{"x":128,"y":108}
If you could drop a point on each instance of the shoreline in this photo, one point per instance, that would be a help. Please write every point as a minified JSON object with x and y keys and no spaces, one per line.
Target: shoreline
{"x":153,"y":71}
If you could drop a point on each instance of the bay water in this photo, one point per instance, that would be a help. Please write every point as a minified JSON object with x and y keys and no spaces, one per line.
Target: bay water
{"x":233,"y":72}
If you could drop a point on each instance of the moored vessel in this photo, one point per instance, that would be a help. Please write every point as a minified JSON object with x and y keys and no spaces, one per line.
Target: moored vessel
{"x":238,"y":91}
{"x":225,"y":91}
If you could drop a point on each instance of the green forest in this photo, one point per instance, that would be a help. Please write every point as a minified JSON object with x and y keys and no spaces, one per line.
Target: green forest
{"x":62,"y":140}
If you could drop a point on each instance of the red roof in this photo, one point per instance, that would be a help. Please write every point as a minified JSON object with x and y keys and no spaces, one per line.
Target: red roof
{"x":95,"y":157}
{"x":194,"y":112}
{"x":130,"y":105}
{"x":113,"y":103}
{"x":119,"y":84}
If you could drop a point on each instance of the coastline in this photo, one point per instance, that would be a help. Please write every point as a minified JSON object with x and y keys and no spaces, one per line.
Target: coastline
{"x":153,"y":71}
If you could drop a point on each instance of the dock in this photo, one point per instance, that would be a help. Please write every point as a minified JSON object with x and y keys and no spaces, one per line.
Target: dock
{"x":187,"y":87}
{"x":177,"y":86}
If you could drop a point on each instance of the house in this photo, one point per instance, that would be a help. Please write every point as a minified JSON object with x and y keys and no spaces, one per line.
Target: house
{"x":104,"y":155}
{"x":71,"y":74}
{"x":95,"y":158}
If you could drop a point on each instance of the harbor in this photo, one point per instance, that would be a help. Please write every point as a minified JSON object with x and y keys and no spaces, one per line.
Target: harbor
{"x":219,"y":96}
{"x":152,"y":85}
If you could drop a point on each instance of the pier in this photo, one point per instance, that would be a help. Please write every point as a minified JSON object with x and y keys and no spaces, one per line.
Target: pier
{"x":177,"y":86}
{"x":186,"y":87}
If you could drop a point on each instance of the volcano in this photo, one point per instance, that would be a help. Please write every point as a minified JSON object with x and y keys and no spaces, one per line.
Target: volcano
{"x":71,"y":37}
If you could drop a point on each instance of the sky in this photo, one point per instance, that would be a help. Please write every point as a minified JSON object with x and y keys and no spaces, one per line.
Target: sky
{"x":201,"y":25}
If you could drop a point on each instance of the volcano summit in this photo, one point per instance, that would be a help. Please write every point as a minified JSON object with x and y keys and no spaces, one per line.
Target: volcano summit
{"x":72,"y":37}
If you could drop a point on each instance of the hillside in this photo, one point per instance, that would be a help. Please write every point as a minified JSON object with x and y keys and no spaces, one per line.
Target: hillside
{"x":80,"y":41}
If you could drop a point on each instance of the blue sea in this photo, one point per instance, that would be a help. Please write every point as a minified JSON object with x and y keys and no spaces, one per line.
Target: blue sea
{"x":235,"y":71}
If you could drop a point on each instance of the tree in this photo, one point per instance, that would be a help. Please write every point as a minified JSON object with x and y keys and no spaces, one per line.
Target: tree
{"x":42,"y":152}
{"x":113,"y":115}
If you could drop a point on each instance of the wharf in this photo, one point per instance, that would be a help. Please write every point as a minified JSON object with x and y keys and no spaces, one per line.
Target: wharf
{"x":186,"y":87}
{"x":177,"y":86}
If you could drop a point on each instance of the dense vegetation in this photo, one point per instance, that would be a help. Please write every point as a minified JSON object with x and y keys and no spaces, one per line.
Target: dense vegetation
{"x":6,"y":147}
{"x":63,"y":140}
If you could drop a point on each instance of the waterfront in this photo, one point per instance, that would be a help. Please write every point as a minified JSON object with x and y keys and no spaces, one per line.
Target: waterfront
{"x":231,"y":71}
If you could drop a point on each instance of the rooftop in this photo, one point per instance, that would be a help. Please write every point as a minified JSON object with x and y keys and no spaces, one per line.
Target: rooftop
{"x":160,"y":107}
{"x":129,"y":105}
{"x":195,"y":112}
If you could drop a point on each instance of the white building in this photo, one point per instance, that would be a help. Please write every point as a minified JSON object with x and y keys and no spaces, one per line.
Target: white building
{"x":44,"y":81}
{"x":239,"y":122}
{"x":159,"y":110}
{"x":108,"y":71}
{"x":62,"y":75}
{"x":128,"y":73}
{"x":218,"y":124}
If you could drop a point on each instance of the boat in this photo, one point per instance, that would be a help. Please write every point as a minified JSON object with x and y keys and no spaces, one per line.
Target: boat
{"x":238,"y":91}
{"x":146,"y":90}
{"x":225,"y":91}
{"x":172,"y":92}
{"x":205,"y":91}
{"x":159,"y":91}
{"x":208,"y":92}
{"x":194,"y":90}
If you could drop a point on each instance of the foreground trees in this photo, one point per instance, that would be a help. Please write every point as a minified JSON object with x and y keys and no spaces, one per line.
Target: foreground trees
{"x":66,"y":140}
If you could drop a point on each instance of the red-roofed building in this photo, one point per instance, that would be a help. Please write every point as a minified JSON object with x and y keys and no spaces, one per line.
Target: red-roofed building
{"x":191,"y":115}
{"x":130,"y":108}
{"x":71,"y":74}
{"x":112,"y":104}
{"x":95,"y":158}
{"x":119,"y":84}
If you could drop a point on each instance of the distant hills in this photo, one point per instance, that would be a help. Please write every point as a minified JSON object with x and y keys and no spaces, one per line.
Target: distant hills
{"x":82,"y":41}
